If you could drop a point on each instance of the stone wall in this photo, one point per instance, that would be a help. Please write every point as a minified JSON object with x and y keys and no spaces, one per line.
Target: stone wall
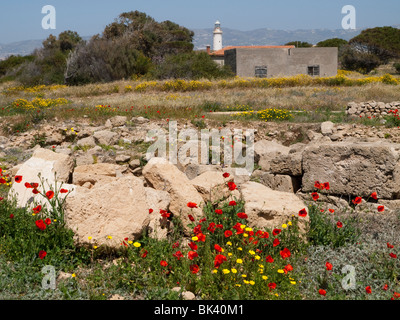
{"x":371,"y":109}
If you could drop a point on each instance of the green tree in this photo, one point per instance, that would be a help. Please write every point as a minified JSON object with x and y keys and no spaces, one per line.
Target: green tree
{"x":299,"y":44}
{"x":334,"y":42}
{"x":384,"y":42}
{"x":193,"y":65}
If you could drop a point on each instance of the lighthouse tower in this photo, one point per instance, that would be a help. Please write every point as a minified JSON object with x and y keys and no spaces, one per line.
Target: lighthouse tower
{"x":217,"y":36}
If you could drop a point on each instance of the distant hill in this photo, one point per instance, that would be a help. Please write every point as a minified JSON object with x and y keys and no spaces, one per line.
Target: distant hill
{"x":203,"y":37}
{"x":231,"y":37}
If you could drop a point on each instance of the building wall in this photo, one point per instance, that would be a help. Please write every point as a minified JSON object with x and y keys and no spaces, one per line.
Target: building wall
{"x":282,"y":62}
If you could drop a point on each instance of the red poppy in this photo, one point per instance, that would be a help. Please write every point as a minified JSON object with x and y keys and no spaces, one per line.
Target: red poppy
{"x":217,"y":248}
{"x":226,"y":175}
{"x":191,"y":217}
{"x":218,"y":211}
{"x":219,"y":259}
{"x":381,"y":208}
{"x":368,"y":290}
{"x":35,"y":191}
{"x":219,"y":226}
{"x":144,"y":254}
{"x":374,"y":195}
{"x":275,"y":232}
{"x":18,"y":179}
{"x":326,"y":186}
{"x":269,"y":259}
{"x":63,"y":191}
{"x":201,"y":237}
{"x":163,"y":263}
{"x":232,"y":186}
{"x":242,"y":215}
{"x":211,"y":227}
{"x":28,"y":185}
{"x":331,"y":210}
{"x":322,"y":292}
{"x":151,"y":211}
{"x":396,"y":295}
{"x":3,"y":181}
{"x":40,"y":224}
{"x":394,"y":256}
{"x":47,"y":221}
{"x":288,"y":268}
{"x":37,"y":209}
{"x":385,"y":287}
{"x":192,"y":246}
{"x":194,"y":268}
{"x":328,"y":266}
{"x":357,"y":200}
{"x":175,"y":245}
{"x":315,"y":196}
{"x":178,"y":255}
{"x":285,"y":253}
{"x":303,"y":212}
{"x":232,"y":203}
{"x":50,"y":194}
{"x":317,"y":185}
{"x":339,"y":224}
{"x":192,"y":205}
{"x":276,"y":242}
{"x":271,"y":286}
{"x":197,"y":229}
{"x":11,"y":216}
{"x":164,"y":213}
{"x":192,"y":255}
{"x":389,"y":245}
{"x":228,"y":233}
{"x":35,"y":185}
{"x":42,"y":254}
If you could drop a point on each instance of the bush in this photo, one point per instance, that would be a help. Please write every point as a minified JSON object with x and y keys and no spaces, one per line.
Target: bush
{"x":190,"y":66}
{"x":397,"y":67}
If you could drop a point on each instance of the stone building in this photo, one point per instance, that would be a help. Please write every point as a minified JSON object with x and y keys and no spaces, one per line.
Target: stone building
{"x":274,"y":61}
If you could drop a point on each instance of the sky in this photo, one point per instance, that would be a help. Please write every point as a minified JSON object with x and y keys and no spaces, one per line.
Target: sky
{"x":22,"y":19}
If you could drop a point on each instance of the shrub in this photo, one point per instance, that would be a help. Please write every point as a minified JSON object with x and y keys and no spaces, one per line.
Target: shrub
{"x":190,"y":66}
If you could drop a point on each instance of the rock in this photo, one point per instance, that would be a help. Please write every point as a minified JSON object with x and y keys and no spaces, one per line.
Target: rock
{"x":267,"y":208}
{"x":278,"y":182}
{"x":48,"y":164}
{"x":88,"y":141}
{"x":54,"y":138}
{"x":123,"y":213}
{"x":287,"y":164}
{"x":268,"y":149}
{"x":116,"y":297}
{"x":158,"y":200}
{"x":83,"y":158}
{"x":94,"y":173}
{"x":212,"y":186}
{"x":355,"y":169}
{"x":121,"y":158}
{"x":118,"y":121}
{"x":187,"y":295}
{"x":135,"y":163}
{"x":163,"y":175}
{"x":106,"y":137}
{"x":192,"y":170}
{"x":140,"y":120}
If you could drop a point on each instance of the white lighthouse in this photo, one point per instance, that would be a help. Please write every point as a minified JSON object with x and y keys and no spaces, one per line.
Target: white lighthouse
{"x":217,"y":37}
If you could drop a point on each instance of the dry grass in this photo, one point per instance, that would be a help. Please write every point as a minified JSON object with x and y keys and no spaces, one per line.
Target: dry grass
{"x":187,"y":104}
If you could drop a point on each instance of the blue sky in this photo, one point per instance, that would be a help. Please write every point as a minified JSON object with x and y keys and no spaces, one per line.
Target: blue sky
{"x":21,"y":19}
